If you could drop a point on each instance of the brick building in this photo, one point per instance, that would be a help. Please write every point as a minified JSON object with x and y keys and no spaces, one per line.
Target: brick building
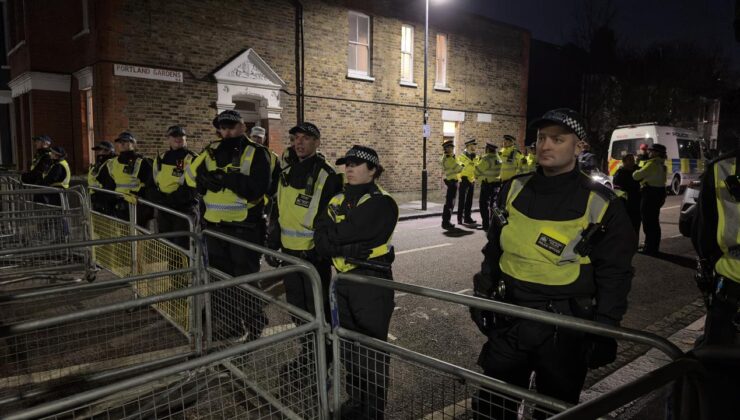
{"x":84,"y":70}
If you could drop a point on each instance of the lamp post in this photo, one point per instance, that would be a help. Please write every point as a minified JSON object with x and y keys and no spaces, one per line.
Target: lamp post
{"x":425,"y":130}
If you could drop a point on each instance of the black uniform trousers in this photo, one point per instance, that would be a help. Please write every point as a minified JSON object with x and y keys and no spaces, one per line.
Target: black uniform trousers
{"x":449,"y":199}
{"x":167,"y":222}
{"x":633,"y":210}
{"x":366,"y":309}
{"x":488,"y":193}
{"x":653,"y":199}
{"x":465,"y":199}
{"x":234,"y":311}
{"x":513,"y":352}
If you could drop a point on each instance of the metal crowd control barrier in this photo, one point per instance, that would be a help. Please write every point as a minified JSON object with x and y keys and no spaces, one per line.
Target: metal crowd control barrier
{"x":235,"y":380}
{"x":143,"y":257}
{"x":36,"y":216}
{"x":116,"y":335}
{"x":442,"y":386}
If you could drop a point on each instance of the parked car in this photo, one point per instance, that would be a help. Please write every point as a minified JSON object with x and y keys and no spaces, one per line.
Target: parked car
{"x":688,"y":208}
{"x":602,"y":178}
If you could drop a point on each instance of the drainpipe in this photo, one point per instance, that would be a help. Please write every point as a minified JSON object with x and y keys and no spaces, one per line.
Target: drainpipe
{"x":299,"y":64}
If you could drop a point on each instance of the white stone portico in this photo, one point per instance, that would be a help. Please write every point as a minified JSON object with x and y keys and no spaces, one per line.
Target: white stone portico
{"x":248,"y":79}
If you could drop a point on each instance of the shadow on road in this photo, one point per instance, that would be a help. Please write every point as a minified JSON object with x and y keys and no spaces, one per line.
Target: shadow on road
{"x":679,"y":260}
{"x":457,"y":232}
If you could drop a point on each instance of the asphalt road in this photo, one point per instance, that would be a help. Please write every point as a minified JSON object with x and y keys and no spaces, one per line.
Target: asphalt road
{"x":428,"y":256}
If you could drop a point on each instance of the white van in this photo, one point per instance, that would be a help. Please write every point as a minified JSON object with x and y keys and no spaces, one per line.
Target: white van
{"x":683,"y":148}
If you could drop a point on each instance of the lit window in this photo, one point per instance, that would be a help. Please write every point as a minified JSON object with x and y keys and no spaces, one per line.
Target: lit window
{"x":449,"y":128}
{"x":407,"y":53}
{"x":358,"y":57}
{"x":441,"y":79}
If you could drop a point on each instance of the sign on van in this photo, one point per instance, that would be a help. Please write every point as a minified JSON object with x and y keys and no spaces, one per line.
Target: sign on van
{"x":140,"y":72}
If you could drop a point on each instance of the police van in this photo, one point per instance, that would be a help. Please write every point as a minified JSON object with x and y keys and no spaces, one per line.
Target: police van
{"x":683,"y":149}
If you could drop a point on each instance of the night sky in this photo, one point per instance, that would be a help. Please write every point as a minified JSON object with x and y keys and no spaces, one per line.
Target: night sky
{"x":707,"y":23}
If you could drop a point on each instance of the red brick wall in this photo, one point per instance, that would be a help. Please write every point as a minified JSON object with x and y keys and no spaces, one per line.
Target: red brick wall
{"x":51,"y":115}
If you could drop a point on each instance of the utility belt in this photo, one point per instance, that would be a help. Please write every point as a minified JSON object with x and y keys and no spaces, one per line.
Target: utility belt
{"x":380,"y":264}
{"x":714,"y":286}
{"x":494,"y":183}
{"x":727,"y":291}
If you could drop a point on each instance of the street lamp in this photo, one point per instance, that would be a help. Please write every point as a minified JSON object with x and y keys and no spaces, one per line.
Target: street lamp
{"x":425,"y":129}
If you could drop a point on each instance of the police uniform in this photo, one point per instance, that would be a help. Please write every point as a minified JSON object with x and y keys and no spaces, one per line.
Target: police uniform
{"x":488,"y":170}
{"x":303,"y":192}
{"x":652,"y":177}
{"x":39,"y":163}
{"x":233,"y":176}
{"x":624,"y":181}
{"x":100,"y":202}
{"x":451,"y":169}
{"x":511,"y":160}
{"x":716,"y":237}
{"x":530,"y":162}
{"x":468,"y":161}
{"x":356,"y":232}
{"x":57,"y":175}
{"x":536,"y":257}
{"x":171,"y":189}
{"x":130,"y":173}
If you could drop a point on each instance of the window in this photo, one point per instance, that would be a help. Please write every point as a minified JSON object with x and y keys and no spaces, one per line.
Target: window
{"x":441,"y":80}
{"x":688,"y":149}
{"x":620,"y":148}
{"x":358,"y":57}
{"x":449,"y":131}
{"x":407,"y":53}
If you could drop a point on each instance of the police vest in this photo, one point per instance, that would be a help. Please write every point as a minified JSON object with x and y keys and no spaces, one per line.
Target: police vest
{"x":92,"y":176}
{"x":489,"y":168}
{"x":169,"y":177}
{"x":451,"y":168}
{"x":543,"y":251}
{"x":67,"y":174}
{"x":468,"y":165}
{"x":335,"y":203}
{"x":510,"y":162}
{"x":38,"y":156}
{"x":126,"y":176}
{"x":226,"y":205}
{"x":728,"y":222}
{"x":531,"y":165}
{"x":298,"y":209}
{"x":652,"y":174}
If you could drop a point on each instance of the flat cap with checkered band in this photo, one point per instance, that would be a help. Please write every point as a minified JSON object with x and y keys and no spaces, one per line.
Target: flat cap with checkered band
{"x":360,"y":154}
{"x":565,"y":117}
{"x":307,"y":128}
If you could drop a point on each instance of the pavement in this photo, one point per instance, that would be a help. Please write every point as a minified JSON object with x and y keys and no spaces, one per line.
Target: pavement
{"x":409,"y":204}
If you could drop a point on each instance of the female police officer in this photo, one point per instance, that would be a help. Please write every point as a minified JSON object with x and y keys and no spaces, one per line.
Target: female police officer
{"x":356,"y":233}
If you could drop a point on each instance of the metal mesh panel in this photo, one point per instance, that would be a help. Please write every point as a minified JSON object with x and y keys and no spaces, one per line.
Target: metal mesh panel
{"x":244,"y":387}
{"x":375,"y":385}
{"x":117,"y":257}
{"x":155,"y":256}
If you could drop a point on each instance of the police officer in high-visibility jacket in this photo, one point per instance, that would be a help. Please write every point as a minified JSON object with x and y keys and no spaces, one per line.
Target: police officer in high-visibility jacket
{"x":304,"y":191}
{"x":130,"y":173}
{"x":56,"y":175}
{"x":171,"y":189}
{"x":451,"y":170}
{"x":488,"y":170}
{"x":716,"y":238}
{"x":104,"y":150}
{"x":355,"y":232}
{"x":530,"y":161}
{"x":467,"y":160}
{"x":40,"y":162}
{"x":652,"y":177}
{"x":511,"y":158}
{"x":558,"y":243}
{"x":233,"y":176}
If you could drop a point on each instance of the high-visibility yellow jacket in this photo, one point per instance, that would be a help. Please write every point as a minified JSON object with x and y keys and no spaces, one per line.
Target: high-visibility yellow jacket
{"x":451,"y":168}
{"x":468,"y":162}
{"x":511,"y":161}
{"x":728,"y":221}
{"x":488,"y":168}
{"x":652,"y":174}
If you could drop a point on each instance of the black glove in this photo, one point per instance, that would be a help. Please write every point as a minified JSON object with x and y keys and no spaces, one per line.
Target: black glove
{"x":272,"y":261}
{"x":600,"y":351}
{"x":213,"y":180}
{"x":232,"y":180}
{"x":358,"y":251}
{"x":483,"y":288}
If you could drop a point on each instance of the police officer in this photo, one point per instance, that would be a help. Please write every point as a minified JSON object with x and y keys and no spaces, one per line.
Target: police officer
{"x":171,"y":189}
{"x":356,"y":232}
{"x":451,"y":170}
{"x":257,"y":135}
{"x":587,"y":160}
{"x":557,"y":244}
{"x":103,"y":151}
{"x":511,"y":158}
{"x":652,"y":177}
{"x":233,"y":176}
{"x":716,"y":238}
{"x":129,"y":173}
{"x":40,"y":162}
{"x":56,"y":175}
{"x":530,"y":162}
{"x":623,"y":181}
{"x":488,"y":170}
{"x":467,"y":160}
{"x":304,"y":191}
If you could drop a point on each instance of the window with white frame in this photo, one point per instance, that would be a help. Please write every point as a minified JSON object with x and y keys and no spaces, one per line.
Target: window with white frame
{"x":407,"y":53}
{"x":441,"y":79}
{"x":358,"y":57}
